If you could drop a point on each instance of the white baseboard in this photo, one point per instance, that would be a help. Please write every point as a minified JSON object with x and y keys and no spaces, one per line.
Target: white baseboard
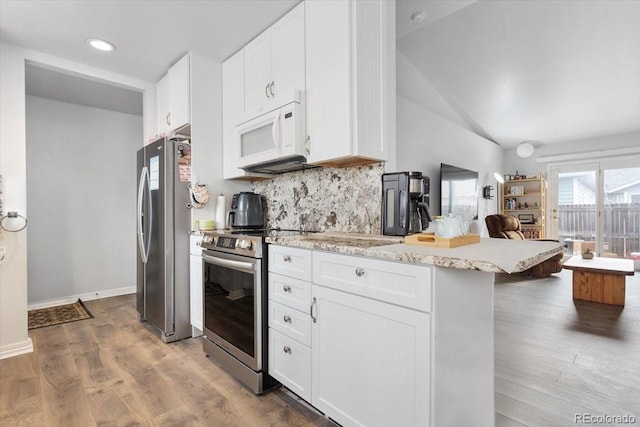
{"x":84,"y":297}
{"x":16,"y":349}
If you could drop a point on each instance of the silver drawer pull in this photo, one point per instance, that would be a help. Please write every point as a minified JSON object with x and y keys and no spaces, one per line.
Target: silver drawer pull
{"x":359,"y":271}
{"x":286,"y":349}
{"x":287,"y":318}
{"x":287,"y":258}
{"x":286,"y":288}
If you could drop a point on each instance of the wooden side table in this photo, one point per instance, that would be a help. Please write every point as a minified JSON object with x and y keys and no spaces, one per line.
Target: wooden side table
{"x":600,"y":279}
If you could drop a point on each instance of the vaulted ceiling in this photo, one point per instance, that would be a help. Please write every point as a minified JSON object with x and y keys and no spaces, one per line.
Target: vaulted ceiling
{"x":510,"y":71}
{"x":546,"y":71}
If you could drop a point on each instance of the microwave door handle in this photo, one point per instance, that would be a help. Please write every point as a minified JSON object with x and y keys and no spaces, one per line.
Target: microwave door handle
{"x":275,"y":125}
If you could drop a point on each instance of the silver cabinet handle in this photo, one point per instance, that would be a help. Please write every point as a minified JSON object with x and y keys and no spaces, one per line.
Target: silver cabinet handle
{"x":286,"y":258}
{"x":287,"y":318}
{"x":313,"y":304}
{"x":286,"y":349}
{"x":286,"y":288}
{"x":266,"y":90}
{"x":168,"y":119}
{"x":359,"y":271}
{"x":273,"y":95}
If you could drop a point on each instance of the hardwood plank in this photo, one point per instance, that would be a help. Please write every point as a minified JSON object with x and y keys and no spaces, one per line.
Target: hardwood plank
{"x":107,"y":408}
{"x":63,"y":395}
{"x":554,"y":356}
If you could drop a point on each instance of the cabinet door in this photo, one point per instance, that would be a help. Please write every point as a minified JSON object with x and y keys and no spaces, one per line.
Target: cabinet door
{"x":232,"y":111}
{"x":328,"y":77}
{"x":370,"y":361}
{"x":257,"y":75}
{"x":195,"y":283}
{"x":287,"y":56}
{"x":290,"y":363}
{"x":162,"y":105}
{"x":180,"y":93}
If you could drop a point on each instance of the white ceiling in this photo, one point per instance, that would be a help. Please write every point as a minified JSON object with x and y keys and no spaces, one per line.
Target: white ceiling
{"x":149,"y":35}
{"x":510,"y":71}
{"x":545,"y":71}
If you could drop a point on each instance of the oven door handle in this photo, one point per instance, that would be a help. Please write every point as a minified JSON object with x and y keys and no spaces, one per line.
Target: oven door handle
{"x":248,"y":267}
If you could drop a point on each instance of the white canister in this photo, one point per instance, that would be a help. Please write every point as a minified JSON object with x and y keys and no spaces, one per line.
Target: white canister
{"x":220,"y":212}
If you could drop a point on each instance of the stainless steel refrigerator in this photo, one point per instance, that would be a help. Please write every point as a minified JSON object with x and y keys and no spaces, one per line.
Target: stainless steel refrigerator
{"x":162,"y":299}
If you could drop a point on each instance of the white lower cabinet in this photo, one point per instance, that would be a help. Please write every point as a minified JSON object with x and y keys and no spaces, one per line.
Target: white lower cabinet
{"x":357,"y":358}
{"x":370,"y":361}
{"x":290,"y":363}
{"x":195,"y":284}
{"x":289,"y":320}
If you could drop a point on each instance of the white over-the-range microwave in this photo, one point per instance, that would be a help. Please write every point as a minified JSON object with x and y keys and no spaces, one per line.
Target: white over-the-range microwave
{"x":275,"y":141}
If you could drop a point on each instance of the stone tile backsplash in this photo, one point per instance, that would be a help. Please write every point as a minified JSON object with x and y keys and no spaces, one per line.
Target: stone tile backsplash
{"x":325,"y":199}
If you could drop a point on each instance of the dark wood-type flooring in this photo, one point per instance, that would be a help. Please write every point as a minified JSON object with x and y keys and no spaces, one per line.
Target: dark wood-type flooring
{"x":554,"y":358}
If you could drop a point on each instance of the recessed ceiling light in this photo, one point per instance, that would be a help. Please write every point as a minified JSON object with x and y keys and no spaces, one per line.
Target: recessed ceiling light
{"x":418,"y":17}
{"x":102,"y":45}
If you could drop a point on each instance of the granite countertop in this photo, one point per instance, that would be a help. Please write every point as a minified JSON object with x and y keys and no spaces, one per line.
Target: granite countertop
{"x":491,"y":255}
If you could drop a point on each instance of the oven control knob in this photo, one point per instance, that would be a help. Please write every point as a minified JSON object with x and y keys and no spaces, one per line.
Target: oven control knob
{"x":245,"y":244}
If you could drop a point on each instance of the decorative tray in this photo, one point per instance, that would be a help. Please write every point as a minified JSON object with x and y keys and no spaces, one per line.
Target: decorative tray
{"x":432,"y":240}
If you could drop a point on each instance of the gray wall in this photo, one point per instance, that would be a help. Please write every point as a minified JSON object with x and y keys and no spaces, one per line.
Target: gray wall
{"x":81,"y":174}
{"x":426,"y":139}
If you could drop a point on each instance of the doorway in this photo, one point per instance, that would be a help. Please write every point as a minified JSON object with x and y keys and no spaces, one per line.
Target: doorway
{"x":596,"y":206}
{"x":81,"y":136}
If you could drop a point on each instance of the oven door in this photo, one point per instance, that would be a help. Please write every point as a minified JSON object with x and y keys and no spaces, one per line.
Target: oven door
{"x":232,"y":287}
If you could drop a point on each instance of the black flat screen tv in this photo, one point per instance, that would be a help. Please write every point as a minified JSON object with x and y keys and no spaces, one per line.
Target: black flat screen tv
{"x":458,"y":192}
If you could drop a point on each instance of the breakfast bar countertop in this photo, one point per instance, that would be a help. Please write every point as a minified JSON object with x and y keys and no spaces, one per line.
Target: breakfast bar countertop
{"x":490,"y":255}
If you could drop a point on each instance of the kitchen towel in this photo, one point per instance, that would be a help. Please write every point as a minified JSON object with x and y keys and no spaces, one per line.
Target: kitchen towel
{"x":220,"y":215}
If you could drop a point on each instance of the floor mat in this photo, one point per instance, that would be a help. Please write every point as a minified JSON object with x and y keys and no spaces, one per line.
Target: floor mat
{"x":57,"y":315}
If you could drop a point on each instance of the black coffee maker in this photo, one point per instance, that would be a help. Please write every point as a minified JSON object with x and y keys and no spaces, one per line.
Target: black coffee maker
{"x":405,"y":203}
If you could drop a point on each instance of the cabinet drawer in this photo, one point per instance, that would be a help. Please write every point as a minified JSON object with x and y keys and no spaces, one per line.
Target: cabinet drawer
{"x":292,"y":262}
{"x":292,"y":292}
{"x":290,"y":363}
{"x":291,"y":322}
{"x":405,"y":285}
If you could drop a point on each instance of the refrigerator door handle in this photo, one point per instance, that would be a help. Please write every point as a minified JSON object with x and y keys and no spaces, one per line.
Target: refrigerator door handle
{"x":150,"y":214}
{"x":140,"y":232}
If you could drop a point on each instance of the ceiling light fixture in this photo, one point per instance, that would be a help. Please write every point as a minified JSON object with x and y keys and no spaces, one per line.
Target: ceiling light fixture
{"x":418,"y":17}
{"x":525,"y":149}
{"x":101,"y":45}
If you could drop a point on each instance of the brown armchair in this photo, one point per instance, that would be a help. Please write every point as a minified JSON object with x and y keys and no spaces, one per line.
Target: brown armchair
{"x":508,"y":227}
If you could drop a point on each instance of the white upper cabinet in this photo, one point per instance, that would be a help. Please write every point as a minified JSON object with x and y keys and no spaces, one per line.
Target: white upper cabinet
{"x":350,"y":80}
{"x":232,"y":111}
{"x":257,"y":78}
{"x":174,"y":96}
{"x":274,"y":64}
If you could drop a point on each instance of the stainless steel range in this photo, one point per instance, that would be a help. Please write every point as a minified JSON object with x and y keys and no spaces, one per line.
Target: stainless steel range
{"x":235,"y":304}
